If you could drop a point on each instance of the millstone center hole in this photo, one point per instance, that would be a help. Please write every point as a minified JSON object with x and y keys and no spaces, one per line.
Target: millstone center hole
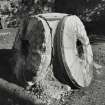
{"x":25,"y":47}
{"x":80,"y":50}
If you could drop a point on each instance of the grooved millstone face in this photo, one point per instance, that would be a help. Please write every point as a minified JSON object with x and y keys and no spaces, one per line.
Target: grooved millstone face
{"x":75,"y":51}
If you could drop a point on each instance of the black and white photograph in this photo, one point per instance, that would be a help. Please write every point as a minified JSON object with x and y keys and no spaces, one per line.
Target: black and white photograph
{"x":52,"y":52}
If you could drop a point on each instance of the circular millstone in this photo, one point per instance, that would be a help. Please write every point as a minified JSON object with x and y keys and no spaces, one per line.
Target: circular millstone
{"x":75,"y":51}
{"x":33,"y":50}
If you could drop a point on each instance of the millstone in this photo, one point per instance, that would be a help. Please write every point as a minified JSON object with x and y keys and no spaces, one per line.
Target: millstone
{"x":33,"y":50}
{"x":75,"y":51}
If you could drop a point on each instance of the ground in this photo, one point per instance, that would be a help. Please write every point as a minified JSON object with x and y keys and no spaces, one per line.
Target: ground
{"x":92,"y":95}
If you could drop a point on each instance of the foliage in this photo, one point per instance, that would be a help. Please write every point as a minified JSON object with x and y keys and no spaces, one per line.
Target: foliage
{"x":94,"y":13}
